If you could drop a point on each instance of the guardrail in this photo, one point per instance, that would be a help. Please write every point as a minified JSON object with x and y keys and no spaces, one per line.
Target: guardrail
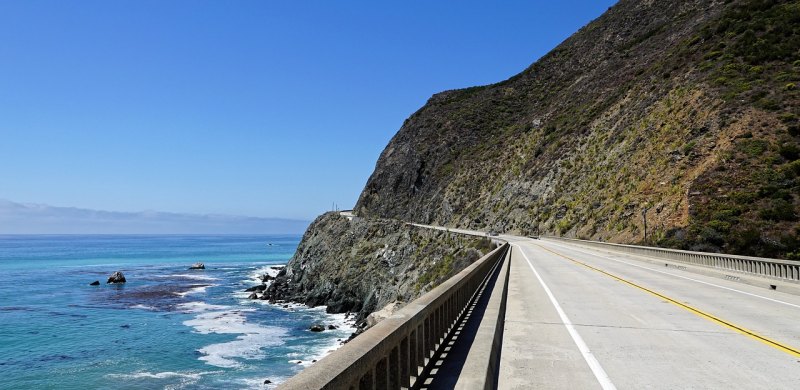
{"x":482,"y":364}
{"x":395,"y":353}
{"x":773,"y":268}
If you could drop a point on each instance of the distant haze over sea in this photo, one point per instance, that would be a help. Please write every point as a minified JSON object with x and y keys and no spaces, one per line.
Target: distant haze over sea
{"x":27,"y":218}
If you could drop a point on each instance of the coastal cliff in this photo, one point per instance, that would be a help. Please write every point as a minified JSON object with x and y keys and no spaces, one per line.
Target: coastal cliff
{"x":353,"y":265}
{"x":681,"y":113}
{"x":685,"y":110}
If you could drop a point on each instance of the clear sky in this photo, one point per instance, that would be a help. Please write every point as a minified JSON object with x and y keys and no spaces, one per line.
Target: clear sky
{"x":255,"y":108}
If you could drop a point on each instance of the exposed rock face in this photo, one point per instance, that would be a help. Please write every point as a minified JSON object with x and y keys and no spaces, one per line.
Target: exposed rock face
{"x":198,"y":266}
{"x":266,"y":278}
{"x":116,"y":277}
{"x":259,"y":288}
{"x":383,"y":313}
{"x":317,"y":328}
{"x":687,"y":109}
{"x":359,"y":266}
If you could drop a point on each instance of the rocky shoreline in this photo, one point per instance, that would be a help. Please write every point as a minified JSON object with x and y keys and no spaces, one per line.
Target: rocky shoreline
{"x":359,"y":267}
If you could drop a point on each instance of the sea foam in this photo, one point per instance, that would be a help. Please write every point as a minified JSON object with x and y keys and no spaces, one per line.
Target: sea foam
{"x":228,"y":320}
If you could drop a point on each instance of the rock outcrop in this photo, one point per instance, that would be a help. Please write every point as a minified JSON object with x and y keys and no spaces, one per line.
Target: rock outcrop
{"x":383,"y":313}
{"x":116,"y":278}
{"x":258,"y":288}
{"x":198,"y":266}
{"x":361,"y":265}
{"x":317,"y":328}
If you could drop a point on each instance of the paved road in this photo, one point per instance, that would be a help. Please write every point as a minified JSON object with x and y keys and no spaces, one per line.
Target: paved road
{"x":582,"y":318}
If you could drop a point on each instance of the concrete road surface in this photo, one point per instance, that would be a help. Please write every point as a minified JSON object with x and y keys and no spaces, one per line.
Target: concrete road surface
{"x":580,"y":318}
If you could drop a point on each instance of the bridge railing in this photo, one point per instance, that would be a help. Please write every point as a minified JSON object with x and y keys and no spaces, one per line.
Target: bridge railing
{"x":396,"y":352}
{"x":786,"y":270}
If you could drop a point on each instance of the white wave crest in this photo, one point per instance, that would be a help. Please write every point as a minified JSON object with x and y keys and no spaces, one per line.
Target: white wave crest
{"x":248,"y":345}
{"x":161,"y":375}
{"x":189,"y":276}
{"x":195,"y":290}
{"x":199,"y":307}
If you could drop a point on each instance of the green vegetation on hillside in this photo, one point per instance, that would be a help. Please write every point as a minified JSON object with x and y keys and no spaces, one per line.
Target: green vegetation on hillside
{"x":751,"y":54}
{"x":687,"y":109}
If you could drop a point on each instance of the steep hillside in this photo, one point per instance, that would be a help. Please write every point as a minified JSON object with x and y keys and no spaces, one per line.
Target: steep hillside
{"x":360,"y":266}
{"x":687,"y":109}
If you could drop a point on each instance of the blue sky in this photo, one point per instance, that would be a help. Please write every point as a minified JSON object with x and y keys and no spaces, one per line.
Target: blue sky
{"x":255,"y":108}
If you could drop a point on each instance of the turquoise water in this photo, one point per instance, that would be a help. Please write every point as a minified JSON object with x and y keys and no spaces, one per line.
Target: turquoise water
{"x":166,"y":328}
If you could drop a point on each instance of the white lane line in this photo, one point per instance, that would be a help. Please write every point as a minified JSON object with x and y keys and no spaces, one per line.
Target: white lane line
{"x":678,"y":276}
{"x":597,"y":369}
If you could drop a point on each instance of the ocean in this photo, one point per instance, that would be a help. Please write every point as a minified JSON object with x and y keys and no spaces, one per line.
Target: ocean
{"x":166,"y":328}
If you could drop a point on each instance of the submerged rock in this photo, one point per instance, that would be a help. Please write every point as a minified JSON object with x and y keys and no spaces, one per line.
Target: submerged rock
{"x":331,"y":327}
{"x":198,"y":266}
{"x":317,"y":328}
{"x":259,"y":288}
{"x":116,"y":277}
{"x":252,"y":296}
{"x":95,"y":283}
{"x":267,"y":381}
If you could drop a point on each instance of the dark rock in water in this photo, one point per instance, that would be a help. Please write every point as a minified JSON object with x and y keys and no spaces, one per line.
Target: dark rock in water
{"x":198,"y":266}
{"x":264,"y":297}
{"x":266,"y":277}
{"x":95,"y":283}
{"x":277,"y":267}
{"x":317,"y":328}
{"x":259,"y":288}
{"x":126,"y":326}
{"x":331,"y":327}
{"x":116,"y":277}
{"x":267,"y":381}
{"x":313,"y":361}
{"x":299,"y":361}
{"x":252,"y":296}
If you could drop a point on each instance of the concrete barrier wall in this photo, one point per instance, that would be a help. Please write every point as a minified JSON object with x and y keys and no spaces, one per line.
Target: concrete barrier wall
{"x":396,"y":351}
{"x":785,"y":270}
{"x":482,"y":364}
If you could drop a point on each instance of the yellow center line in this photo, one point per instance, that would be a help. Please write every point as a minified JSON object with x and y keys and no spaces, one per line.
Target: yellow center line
{"x":749,"y":333}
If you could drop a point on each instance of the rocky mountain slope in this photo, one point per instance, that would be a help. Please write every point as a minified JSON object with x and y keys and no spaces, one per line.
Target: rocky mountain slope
{"x":683,"y":111}
{"x":360,"y":266}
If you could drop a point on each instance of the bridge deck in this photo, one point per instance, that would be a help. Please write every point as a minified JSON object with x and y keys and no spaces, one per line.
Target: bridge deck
{"x":630,"y":324}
